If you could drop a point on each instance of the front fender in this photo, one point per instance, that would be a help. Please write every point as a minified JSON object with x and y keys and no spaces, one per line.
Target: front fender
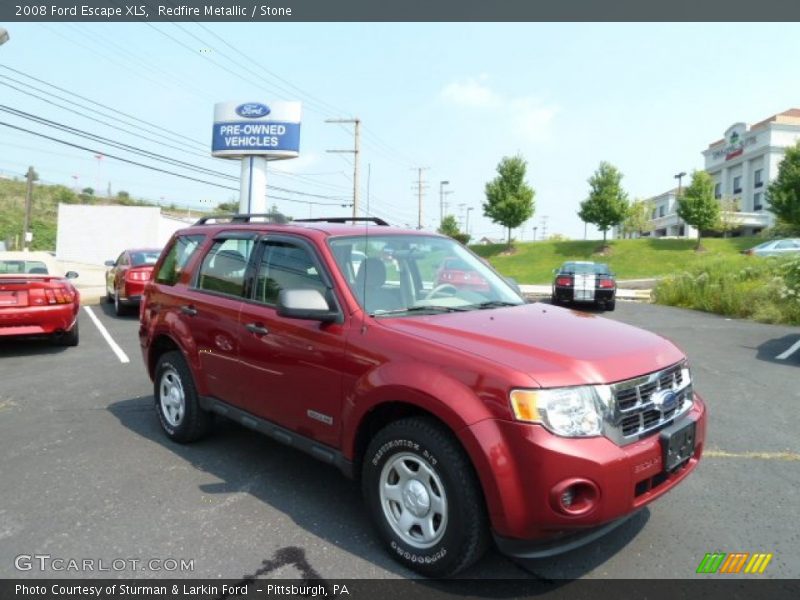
{"x":420,"y":385}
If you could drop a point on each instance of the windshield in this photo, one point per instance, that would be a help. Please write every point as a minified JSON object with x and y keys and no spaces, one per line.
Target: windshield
{"x":33,"y":267}
{"x":404,"y":274}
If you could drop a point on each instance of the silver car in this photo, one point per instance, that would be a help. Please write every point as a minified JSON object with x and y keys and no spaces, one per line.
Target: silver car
{"x":783,"y":247}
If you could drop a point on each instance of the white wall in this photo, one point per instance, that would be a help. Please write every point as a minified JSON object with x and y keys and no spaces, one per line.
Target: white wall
{"x":95,"y":234}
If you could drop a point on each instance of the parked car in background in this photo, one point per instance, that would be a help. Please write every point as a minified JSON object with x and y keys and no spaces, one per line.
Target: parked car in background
{"x":785,"y":247}
{"x":127,"y":276}
{"x":585,"y":281}
{"x":459,"y":274}
{"x":466,"y":415}
{"x":37,"y":298}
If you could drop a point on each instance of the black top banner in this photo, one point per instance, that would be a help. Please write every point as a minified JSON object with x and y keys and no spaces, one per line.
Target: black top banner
{"x":398,"y":10}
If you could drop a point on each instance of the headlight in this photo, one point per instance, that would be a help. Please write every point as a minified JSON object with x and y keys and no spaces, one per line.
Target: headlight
{"x":570,"y":412}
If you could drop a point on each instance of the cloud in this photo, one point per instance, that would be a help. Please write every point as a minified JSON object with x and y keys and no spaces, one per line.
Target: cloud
{"x":471,"y":93}
{"x":527,"y":116}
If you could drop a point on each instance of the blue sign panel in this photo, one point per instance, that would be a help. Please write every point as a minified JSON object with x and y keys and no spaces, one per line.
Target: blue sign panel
{"x":262,"y":137}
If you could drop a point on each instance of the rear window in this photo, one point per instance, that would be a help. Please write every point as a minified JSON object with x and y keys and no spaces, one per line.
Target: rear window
{"x":33,"y":267}
{"x":585,"y":269}
{"x":144,"y":258}
{"x":177,"y":257}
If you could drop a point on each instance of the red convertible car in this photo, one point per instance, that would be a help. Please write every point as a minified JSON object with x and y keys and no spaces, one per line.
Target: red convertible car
{"x":36,"y":298}
{"x":126,"y":278}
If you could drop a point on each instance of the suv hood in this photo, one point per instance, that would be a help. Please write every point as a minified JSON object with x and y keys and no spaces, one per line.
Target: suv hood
{"x":555,"y":346}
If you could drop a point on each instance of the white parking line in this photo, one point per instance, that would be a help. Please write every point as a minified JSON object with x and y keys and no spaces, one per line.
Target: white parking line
{"x":795,"y":347}
{"x":123,"y":358}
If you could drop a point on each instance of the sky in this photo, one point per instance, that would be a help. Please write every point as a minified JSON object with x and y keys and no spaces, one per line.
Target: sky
{"x":453,"y":99}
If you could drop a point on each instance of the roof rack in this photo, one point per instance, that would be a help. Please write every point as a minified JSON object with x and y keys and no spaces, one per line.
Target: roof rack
{"x":275,"y":218}
{"x":375,"y":220}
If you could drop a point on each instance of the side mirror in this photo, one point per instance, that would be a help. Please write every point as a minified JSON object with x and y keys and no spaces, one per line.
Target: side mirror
{"x":110,"y":263}
{"x":305,"y":304}
{"x":556,"y":270}
{"x":72,"y":275}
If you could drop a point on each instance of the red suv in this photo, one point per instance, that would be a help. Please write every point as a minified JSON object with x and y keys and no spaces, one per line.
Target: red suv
{"x":466,"y":414}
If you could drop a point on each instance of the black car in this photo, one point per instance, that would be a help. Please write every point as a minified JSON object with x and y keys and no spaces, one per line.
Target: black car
{"x":582,"y":281}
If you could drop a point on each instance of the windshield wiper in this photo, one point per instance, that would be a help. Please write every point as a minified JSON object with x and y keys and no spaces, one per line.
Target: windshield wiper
{"x":413,"y":309}
{"x":495,"y":304}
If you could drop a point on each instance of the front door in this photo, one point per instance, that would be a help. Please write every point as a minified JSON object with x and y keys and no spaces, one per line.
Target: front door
{"x":291,"y":368}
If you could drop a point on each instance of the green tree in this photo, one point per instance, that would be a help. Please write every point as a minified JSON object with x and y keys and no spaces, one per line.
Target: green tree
{"x":228,"y":207}
{"x":637,"y":218}
{"x":64,"y":195}
{"x":449,"y":227}
{"x":607,"y":204}
{"x":784,"y":192}
{"x":697,"y":205}
{"x":728,"y":219}
{"x":509,"y":199}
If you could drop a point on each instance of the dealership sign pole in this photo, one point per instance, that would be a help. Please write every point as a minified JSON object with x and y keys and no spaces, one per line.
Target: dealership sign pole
{"x":256,"y":133}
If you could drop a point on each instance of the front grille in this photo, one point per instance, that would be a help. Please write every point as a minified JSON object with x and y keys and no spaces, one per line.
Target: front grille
{"x":636,"y":410}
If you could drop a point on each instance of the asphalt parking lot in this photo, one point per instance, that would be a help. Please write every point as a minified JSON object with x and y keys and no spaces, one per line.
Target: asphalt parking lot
{"x":87,"y":473}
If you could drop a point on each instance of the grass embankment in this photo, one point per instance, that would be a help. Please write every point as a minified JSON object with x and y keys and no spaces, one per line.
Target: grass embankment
{"x":534,"y":262}
{"x":762,"y":289}
{"x":44,"y":210}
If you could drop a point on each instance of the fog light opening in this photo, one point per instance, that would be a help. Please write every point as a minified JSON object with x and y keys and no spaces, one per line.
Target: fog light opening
{"x":575,"y":497}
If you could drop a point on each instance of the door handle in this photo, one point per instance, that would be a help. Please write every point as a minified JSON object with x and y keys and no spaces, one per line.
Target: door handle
{"x":256,"y":328}
{"x":188,"y":309}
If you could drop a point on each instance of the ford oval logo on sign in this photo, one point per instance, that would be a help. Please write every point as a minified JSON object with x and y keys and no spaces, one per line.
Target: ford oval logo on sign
{"x":252,"y":110}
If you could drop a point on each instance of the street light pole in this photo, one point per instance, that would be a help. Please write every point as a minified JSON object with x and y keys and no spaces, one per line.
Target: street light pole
{"x":467,"y":225}
{"x":679,"y":177}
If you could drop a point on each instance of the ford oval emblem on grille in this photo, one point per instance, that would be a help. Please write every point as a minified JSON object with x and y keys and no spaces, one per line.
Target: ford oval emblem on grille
{"x":252,"y":110}
{"x":665,"y":400}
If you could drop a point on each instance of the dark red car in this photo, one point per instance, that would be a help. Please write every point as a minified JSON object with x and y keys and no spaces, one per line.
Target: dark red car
{"x":127,"y":276}
{"x":36,"y":299}
{"x":466,"y":414}
{"x":459,"y":274}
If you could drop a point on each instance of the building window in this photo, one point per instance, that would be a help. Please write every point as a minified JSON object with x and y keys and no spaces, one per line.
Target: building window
{"x":757,"y":201}
{"x":758,"y":177}
{"x":661,"y":211}
{"x":737,"y":184}
{"x":717,"y":191}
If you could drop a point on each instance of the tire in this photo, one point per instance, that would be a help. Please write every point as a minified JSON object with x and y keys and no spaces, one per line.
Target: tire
{"x":611,"y":304}
{"x":69,"y":338}
{"x":119,"y":309}
{"x":176,"y":401}
{"x":447,"y":499}
{"x":554,"y":301}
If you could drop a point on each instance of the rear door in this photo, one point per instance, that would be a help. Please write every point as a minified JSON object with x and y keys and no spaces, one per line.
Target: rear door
{"x":210,"y":308}
{"x":291,"y":368}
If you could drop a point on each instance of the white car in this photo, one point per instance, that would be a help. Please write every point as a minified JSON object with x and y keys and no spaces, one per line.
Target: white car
{"x":783,"y":247}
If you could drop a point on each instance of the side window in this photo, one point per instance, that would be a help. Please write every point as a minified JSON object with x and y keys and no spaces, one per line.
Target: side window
{"x":177,"y":257}
{"x":223,"y":267}
{"x":285,"y":266}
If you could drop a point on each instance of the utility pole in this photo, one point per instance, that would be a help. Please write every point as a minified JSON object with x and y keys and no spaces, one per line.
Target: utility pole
{"x":544,"y":227}
{"x":679,"y":177}
{"x":30,"y":176}
{"x":356,"y":151}
{"x":421,"y":185}
{"x":466,"y":230}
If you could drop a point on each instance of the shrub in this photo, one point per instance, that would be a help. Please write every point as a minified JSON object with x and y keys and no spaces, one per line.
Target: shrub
{"x":767,"y":290}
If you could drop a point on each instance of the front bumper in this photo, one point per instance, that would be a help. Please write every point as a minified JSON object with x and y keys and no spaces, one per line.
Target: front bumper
{"x":522,"y":467}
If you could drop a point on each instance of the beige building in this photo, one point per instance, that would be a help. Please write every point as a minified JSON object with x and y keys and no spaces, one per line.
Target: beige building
{"x":742,"y":164}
